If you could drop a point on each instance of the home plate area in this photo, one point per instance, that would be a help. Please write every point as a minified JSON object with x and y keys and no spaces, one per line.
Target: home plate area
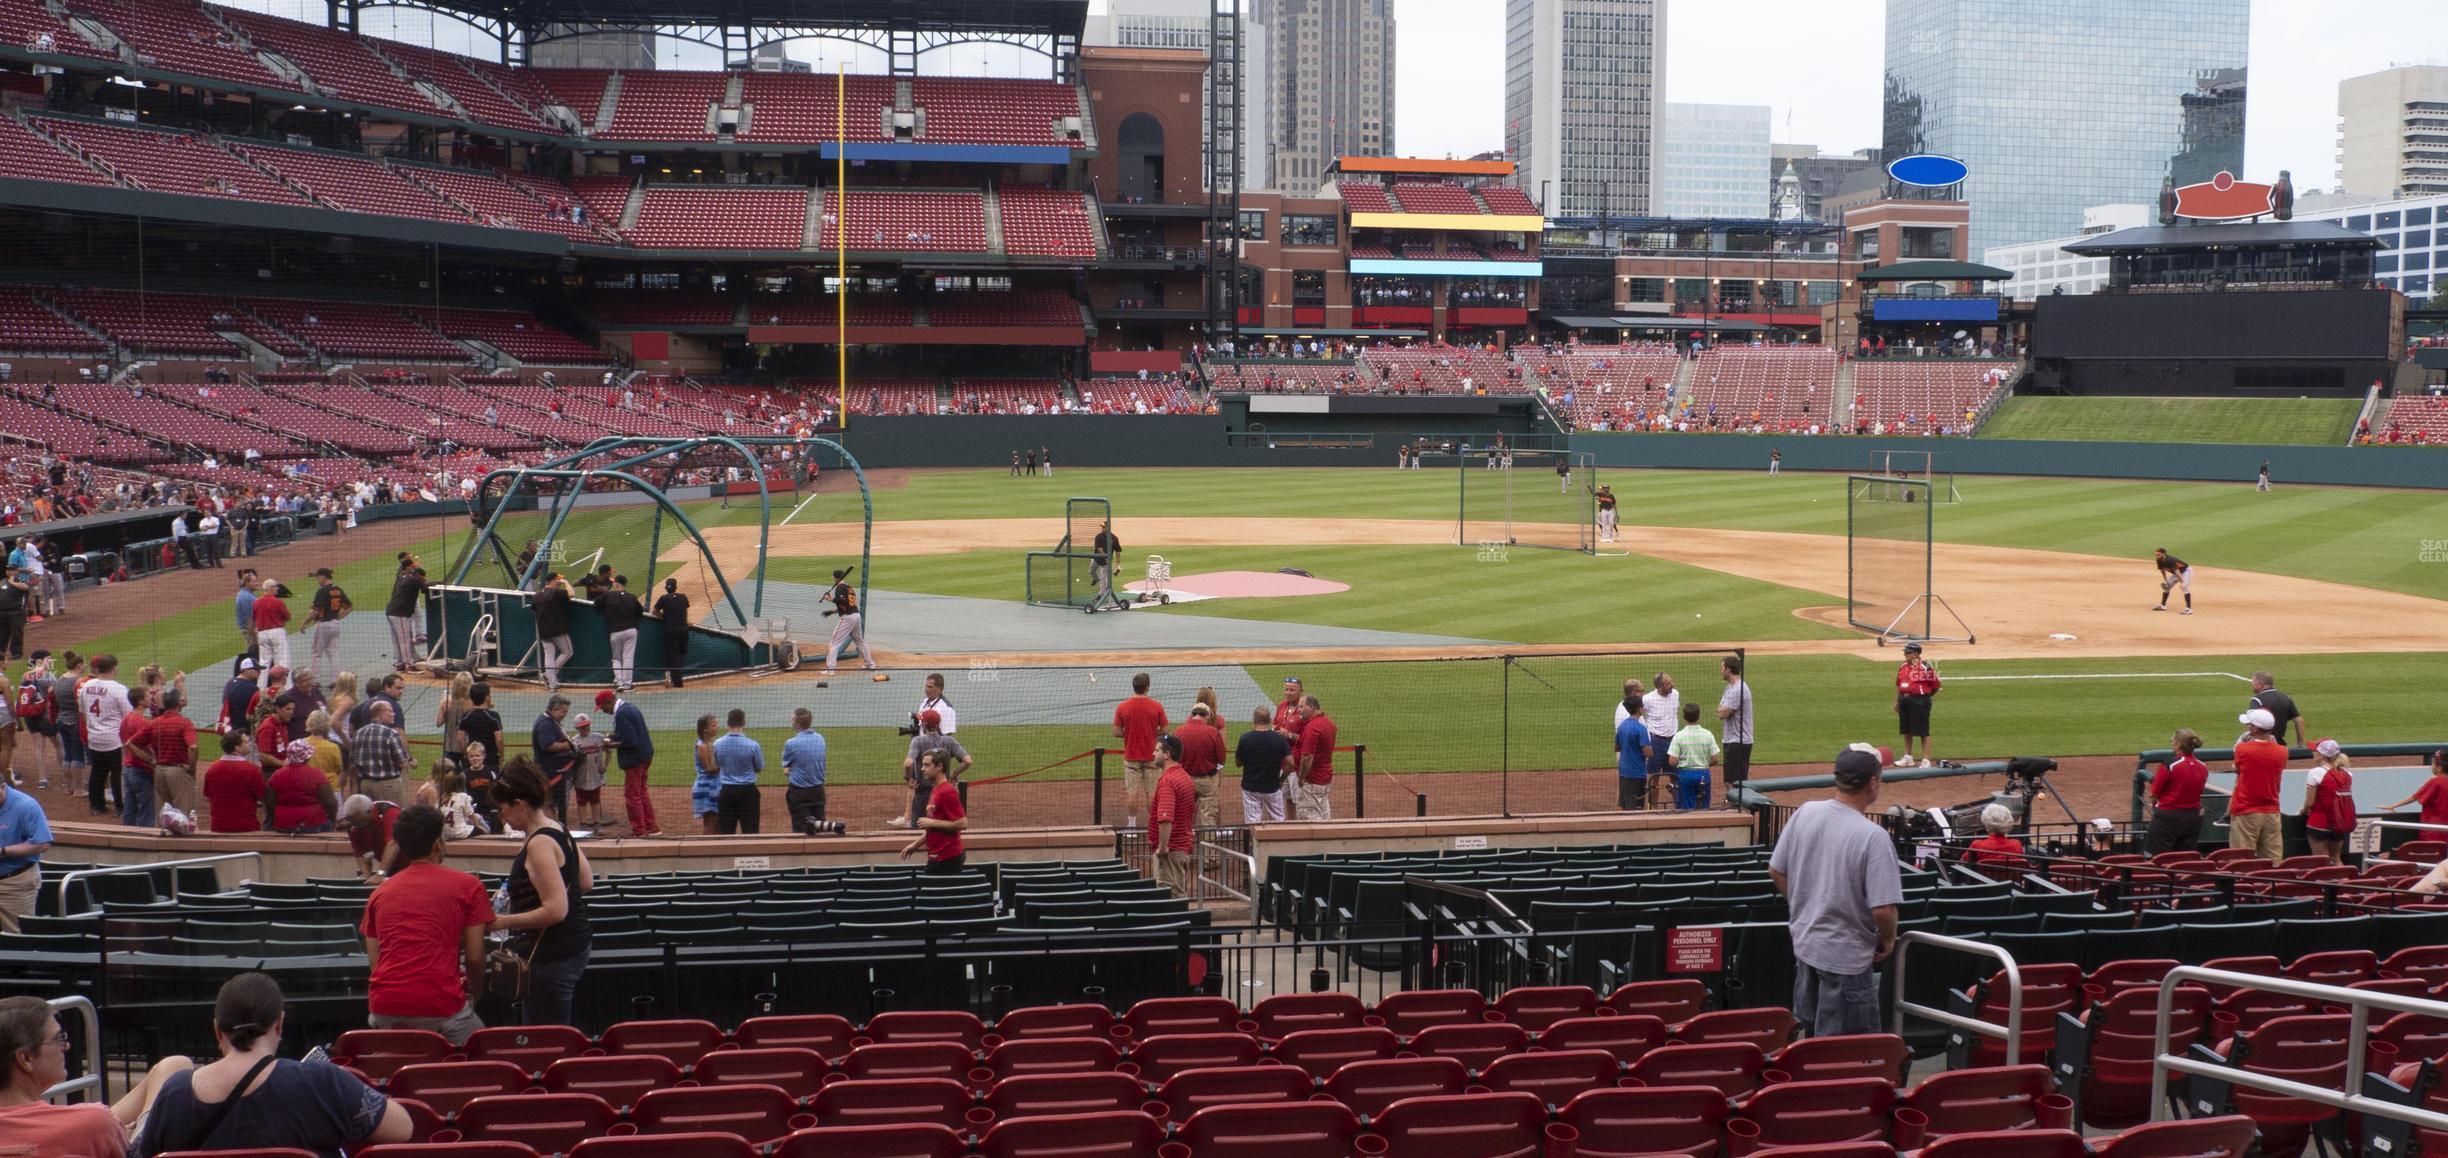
{"x":1236,"y":585}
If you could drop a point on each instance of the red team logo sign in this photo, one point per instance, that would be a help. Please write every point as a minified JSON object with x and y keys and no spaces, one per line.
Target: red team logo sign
{"x":2223,"y":198}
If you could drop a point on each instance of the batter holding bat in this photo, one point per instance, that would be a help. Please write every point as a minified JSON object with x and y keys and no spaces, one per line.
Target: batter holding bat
{"x":2173,"y":573}
{"x":848,"y":625}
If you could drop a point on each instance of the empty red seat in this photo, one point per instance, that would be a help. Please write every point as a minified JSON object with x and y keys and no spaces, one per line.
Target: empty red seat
{"x":1628,"y":1037}
{"x":618,"y":1080}
{"x":2107,"y":980}
{"x":758,"y":1113}
{"x":551,"y":1123}
{"x":1115,"y":1135}
{"x":446,"y":1086}
{"x":1731,"y":1068}
{"x":1162,"y":1057}
{"x":1535,"y":1007}
{"x":1319,"y":1052}
{"x":1300,"y":1130}
{"x":1465,"y":1126}
{"x":917,"y":1059}
{"x":2335,"y":967}
{"x":1410,"y":1012}
{"x":911,"y":1140}
{"x":1081,"y":1020}
{"x":1812,"y":1113}
{"x":1477,"y":1045}
{"x":392,"y":1150}
{"x":683,"y":1041}
{"x":2009,"y":1144}
{"x":822,"y":1032}
{"x":529,"y":1047}
{"x":378,"y":1053}
{"x":1987,"y":1098}
{"x":1618,"y":1123}
{"x":1673,"y":1001}
{"x":706,"y":1145}
{"x":921,"y":1025}
{"x":1052,"y":1055}
{"x":1288,"y":1013}
{"x":798,"y":1072}
{"x":1158,"y":1016}
{"x":1190,"y":1091}
{"x":2308,"y":1048}
{"x":2118,"y":1039}
{"x":1368,"y":1087}
{"x":1554,"y":1076}
{"x":2414,"y":1035}
{"x":1851,"y":1055}
{"x":1036,"y":1095}
{"x":2048,"y":990}
{"x":2229,"y":1136}
{"x":939,"y":1101}
{"x":1768,"y":1028}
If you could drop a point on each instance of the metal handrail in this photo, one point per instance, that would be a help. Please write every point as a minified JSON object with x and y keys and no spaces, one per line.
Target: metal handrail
{"x":2358,"y":1001}
{"x":92,"y":1021}
{"x":216,"y":858}
{"x":1248,"y":863}
{"x":2012,"y":1031}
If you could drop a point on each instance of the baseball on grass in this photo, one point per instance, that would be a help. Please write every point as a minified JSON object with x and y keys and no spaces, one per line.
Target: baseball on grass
{"x":1091,"y":677}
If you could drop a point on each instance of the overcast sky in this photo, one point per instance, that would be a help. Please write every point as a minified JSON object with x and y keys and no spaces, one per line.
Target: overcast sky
{"x":1815,"y":62}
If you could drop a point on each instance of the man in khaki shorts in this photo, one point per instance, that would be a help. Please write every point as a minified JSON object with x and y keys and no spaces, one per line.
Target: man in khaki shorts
{"x":1202,"y":756}
{"x":1139,"y":720}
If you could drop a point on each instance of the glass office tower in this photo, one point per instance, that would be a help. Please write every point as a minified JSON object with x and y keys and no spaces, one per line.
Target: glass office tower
{"x":2056,"y":105}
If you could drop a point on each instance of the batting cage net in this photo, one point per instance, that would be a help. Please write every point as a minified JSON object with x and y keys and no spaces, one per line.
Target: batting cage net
{"x":1068,"y":575}
{"x":1887,"y":555}
{"x":1509,"y":497}
{"x":1916,"y":464}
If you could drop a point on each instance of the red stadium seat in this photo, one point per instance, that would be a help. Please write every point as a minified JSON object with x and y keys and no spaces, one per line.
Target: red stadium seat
{"x":919,"y":1025}
{"x":900,"y":1141}
{"x":2048,"y":990}
{"x":1116,"y":1135}
{"x":552,"y":1123}
{"x":378,"y":1053}
{"x":1618,"y":1123}
{"x":683,"y":1041}
{"x":618,"y":1080}
{"x":1767,"y":1028}
{"x":1319,"y":1052}
{"x":423,"y":1120}
{"x":529,"y":1047}
{"x":760,"y":1114}
{"x":1629,"y":1036}
{"x":938,"y":1101}
{"x":1410,"y":1012}
{"x":1535,"y":1007}
{"x":2335,"y":967}
{"x":1852,"y":1055}
{"x":1989,"y":1098}
{"x":2116,"y":976}
{"x":446,"y":1086}
{"x":1081,"y":1020}
{"x":916,"y":1059}
{"x":2009,"y":1144}
{"x":2304,"y":1048}
{"x":1162,"y":1057}
{"x":826,"y":1034}
{"x":2116,"y":1062}
{"x":1368,"y":1087}
{"x":1284,"y":1014}
{"x":1672,"y":1002}
{"x":1190,"y":1091}
{"x":1052,"y":1055}
{"x":395,"y":1150}
{"x":705,"y":1145}
{"x":1467,"y":1126}
{"x":1158,"y":1016}
{"x":799,"y":1072}
{"x":1813,"y":1113}
{"x":1037,"y":1095}
{"x":2230,"y":1136}
{"x":1554,"y":1076}
{"x":1477,"y":1045}
{"x":1730,"y":1068}
{"x":1301,"y":1130}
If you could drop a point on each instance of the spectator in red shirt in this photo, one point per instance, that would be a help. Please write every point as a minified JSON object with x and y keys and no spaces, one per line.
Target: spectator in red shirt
{"x":272,"y":625}
{"x":1313,"y":763}
{"x":424,"y":936}
{"x":272,"y":735}
{"x":2252,"y":813}
{"x":169,"y":746}
{"x":1997,"y":851}
{"x":1171,"y":812}
{"x":1287,"y":713}
{"x":1138,"y":721}
{"x":303,"y":799}
{"x":2329,"y":807}
{"x":234,"y":786}
{"x":2176,"y":792}
{"x":1202,"y":755}
{"x":2433,"y":796}
{"x":368,"y":823}
{"x":945,"y":819}
{"x":1916,"y":685}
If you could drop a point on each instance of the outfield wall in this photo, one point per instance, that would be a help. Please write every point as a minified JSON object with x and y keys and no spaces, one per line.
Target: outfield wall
{"x":2425,"y":468}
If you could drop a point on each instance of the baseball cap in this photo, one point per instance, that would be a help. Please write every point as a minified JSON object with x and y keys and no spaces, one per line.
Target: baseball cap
{"x":1855,"y":767}
{"x":1912,"y":647}
{"x":930,"y":716}
{"x":278,"y":672}
{"x":606,"y":698}
{"x":2258,"y":718}
{"x":299,"y":751}
{"x":246,"y":663}
{"x":38,"y":655}
{"x":582,"y":721}
{"x":322,"y":573}
{"x":2325,"y":747}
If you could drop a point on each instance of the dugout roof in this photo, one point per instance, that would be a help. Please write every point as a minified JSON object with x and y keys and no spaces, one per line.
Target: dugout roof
{"x":2260,"y":233}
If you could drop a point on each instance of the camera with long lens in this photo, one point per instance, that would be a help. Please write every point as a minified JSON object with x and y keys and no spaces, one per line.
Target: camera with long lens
{"x":911,"y":728}
{"x":825,"y":828}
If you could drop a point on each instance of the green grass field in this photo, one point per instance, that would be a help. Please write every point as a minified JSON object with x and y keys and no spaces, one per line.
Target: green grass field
{"x":1426,"y":718}
{"x":2266,"y":421}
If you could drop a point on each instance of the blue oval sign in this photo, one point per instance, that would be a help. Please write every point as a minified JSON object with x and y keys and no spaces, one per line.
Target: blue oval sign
{"x":1928,"y":170}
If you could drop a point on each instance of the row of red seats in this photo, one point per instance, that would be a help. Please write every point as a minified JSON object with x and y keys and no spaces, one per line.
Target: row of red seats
{"x":2297,"y":876}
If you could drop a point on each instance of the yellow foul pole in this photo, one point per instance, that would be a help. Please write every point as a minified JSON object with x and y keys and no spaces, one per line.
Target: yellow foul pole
{"x":841,"y":241}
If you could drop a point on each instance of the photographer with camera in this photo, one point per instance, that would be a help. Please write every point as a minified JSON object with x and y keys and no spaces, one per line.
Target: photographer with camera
{"x":936,"y":703}
{"x":803,"y":760}
{"x":930,"y":738}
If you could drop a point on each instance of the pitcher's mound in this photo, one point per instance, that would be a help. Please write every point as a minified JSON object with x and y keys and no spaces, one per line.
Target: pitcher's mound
{"x":1242,"y":585}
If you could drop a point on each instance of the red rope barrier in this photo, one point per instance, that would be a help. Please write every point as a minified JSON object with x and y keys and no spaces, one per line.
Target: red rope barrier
{"x":1037,"y":769}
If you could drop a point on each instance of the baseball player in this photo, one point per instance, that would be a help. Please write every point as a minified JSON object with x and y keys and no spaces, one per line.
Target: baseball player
{"x":1606,"y":514}
{"x":2173,"y":573}
{"x":1107,"y":548}
{"x":848,"y":625}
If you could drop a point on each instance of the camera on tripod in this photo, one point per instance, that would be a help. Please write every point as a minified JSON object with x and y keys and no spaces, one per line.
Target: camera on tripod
{"x":2028,"y":770}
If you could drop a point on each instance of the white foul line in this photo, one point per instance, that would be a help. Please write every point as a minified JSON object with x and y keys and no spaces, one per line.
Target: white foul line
{"x":2132,"y":675}
{"x":795,"y":510}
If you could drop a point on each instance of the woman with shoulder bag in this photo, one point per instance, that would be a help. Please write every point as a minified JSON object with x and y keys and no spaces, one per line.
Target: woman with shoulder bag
{"x":252,"y":1097}
{"x":548,"y":885}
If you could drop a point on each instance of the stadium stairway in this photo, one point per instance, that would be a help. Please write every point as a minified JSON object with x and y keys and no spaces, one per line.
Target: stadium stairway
{"x":603,"y":110}
{"x":1684,"y":369}
{"x":992,"y":205}
{"x":1840,"y":396}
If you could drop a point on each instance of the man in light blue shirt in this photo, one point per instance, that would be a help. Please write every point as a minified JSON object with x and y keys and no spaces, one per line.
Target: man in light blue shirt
{"x":25,"y":835}
{"x":246,"y":614}
{"x":803,"y":758}
{"x":738,"y":806}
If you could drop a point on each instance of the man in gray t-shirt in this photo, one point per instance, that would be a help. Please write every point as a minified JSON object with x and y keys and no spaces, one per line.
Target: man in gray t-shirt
{"x":1734,"y":708}
{"x":1837,"y":869}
